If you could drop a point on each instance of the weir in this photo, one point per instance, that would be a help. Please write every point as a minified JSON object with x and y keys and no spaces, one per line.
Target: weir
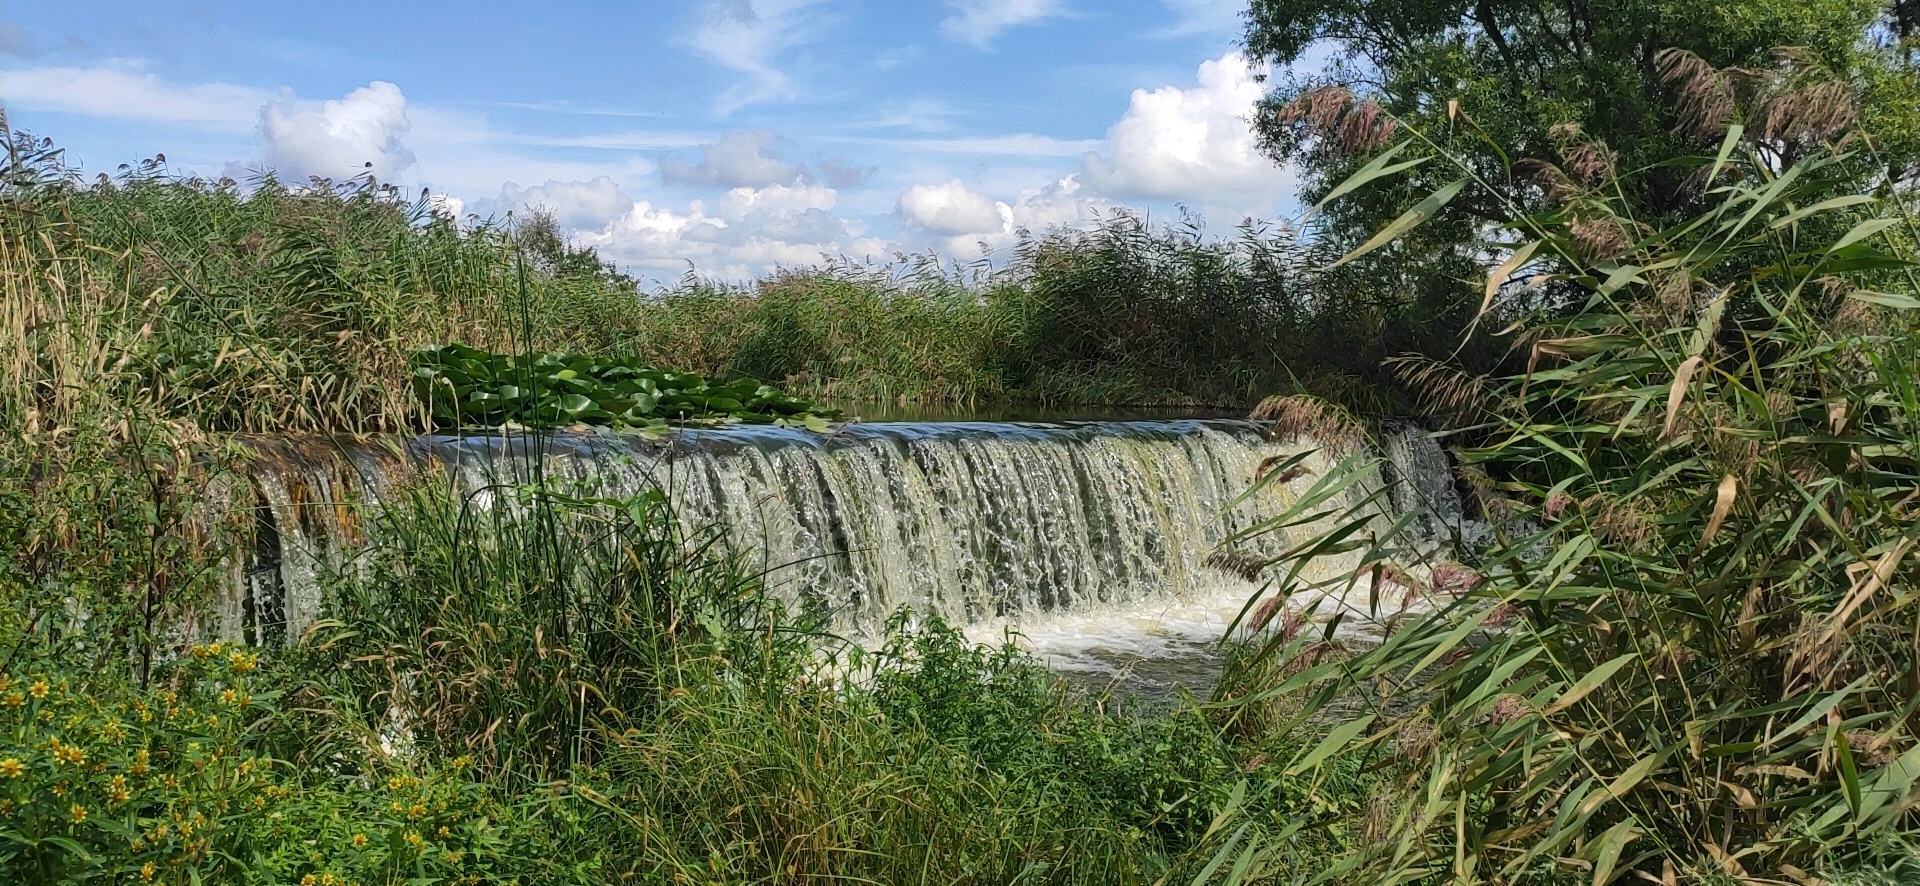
{"x":1068,"y":531}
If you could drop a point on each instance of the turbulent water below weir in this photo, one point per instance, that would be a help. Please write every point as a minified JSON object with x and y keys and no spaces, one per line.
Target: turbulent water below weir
{"x":1088,"y":540}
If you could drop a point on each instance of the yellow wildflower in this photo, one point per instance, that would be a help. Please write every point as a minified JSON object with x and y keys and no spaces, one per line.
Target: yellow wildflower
{"x":38,"y":689}
{"x":359,"y":841}
{"x":12,"y":768}
{"x":78,"y":813}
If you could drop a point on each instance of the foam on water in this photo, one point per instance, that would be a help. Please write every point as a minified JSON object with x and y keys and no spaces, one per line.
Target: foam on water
{"x":1088,"y":539}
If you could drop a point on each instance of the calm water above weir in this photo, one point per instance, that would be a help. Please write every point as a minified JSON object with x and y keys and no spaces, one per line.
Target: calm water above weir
{"x":1085,"y":539}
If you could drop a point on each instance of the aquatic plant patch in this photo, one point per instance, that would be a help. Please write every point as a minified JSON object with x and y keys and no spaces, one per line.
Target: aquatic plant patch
{"x":467,"y":388}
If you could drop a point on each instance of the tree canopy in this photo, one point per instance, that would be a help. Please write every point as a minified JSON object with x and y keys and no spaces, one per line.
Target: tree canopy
{"x":1535,"y":75}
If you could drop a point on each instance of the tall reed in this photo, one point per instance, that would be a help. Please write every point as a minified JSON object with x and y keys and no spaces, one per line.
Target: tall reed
{"x":1689,"y":652}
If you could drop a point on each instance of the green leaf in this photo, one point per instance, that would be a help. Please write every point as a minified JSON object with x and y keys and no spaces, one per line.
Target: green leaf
{"x":1587,"y":684}
{"x":1817,"y":208}
{"x":1893,"y":300}
{"x":1861,"y":232}
{"x":1411,"y":219}
{"x":1328,"y":746}
{"x":1375,"y":168}
{"x":1609,"y":846}
{"x":1624,"y":782}
{"x":1849,"y":774}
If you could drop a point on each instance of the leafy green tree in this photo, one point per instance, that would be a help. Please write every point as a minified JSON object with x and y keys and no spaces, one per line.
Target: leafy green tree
{"x":1540,"y":77}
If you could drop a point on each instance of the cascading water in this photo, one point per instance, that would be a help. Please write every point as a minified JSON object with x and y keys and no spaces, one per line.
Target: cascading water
{"x":1089,"y":537}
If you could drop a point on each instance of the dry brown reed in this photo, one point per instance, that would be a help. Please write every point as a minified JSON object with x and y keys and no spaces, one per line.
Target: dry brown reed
{"x":1299,"y":415}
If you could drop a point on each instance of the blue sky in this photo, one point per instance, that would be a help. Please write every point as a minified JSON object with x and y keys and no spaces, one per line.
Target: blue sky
{"x":732,"y":136}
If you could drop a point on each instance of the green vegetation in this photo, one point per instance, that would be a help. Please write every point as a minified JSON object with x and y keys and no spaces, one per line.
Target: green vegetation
{"x":586,"y":693}
{"x":1527,"y":71}
{"x":467,"y":388}
{"x":1686,"y":399}
{"x":586,"y":697}
{"x":1690,"y":651}
{"x":271,"y":309}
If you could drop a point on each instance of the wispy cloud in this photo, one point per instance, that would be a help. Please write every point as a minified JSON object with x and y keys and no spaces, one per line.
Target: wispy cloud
{"x":1024,"y":144}
{"x":582,"y":109}
{"x":979,"y":21}
{"x":636,"y":140}
{"x":14,"y":40}
{"x":750,"y":36}
{"x":133,"y":95}
{"x":924,"y":114}
{"x":1193,"y":17}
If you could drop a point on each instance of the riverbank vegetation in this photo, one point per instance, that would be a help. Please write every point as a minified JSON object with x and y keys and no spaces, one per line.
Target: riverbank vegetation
{"x":1685,"y":650}
{"x":583,"y":691}
{"x":1688,"y":651}
{"x":270,"y":308}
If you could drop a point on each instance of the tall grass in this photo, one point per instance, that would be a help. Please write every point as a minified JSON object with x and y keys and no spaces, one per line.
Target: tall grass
{"x":268,"y":307}
{"x":1689,"y":654}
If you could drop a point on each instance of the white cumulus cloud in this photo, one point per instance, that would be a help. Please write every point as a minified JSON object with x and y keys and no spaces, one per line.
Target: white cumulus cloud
{"x":979,"y":21}
{"x":1193,"y":145}
{"x":746,"y":233}
{"x":966,"y":224}
{"x":779,"y":198}
{"x":740,"y":159}
{"x":338,"y":138}
{"x":447,"y":206}
{"x":573,"y":204}
{"x":952,"y":208}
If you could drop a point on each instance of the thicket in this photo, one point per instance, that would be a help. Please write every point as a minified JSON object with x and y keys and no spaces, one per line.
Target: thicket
{"x":266,"y":307}
{"x":1688,"y":652}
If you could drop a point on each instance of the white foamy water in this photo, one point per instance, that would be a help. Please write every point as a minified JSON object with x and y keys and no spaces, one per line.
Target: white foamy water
{"x":1087,"y":539}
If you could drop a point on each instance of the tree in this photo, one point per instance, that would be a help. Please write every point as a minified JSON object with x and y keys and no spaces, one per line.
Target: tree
{"x":1542,"y":77}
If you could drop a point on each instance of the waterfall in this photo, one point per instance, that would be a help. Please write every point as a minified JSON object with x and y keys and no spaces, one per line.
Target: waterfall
{"x":1420,"y":483}
{"x":1063,"y":527}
